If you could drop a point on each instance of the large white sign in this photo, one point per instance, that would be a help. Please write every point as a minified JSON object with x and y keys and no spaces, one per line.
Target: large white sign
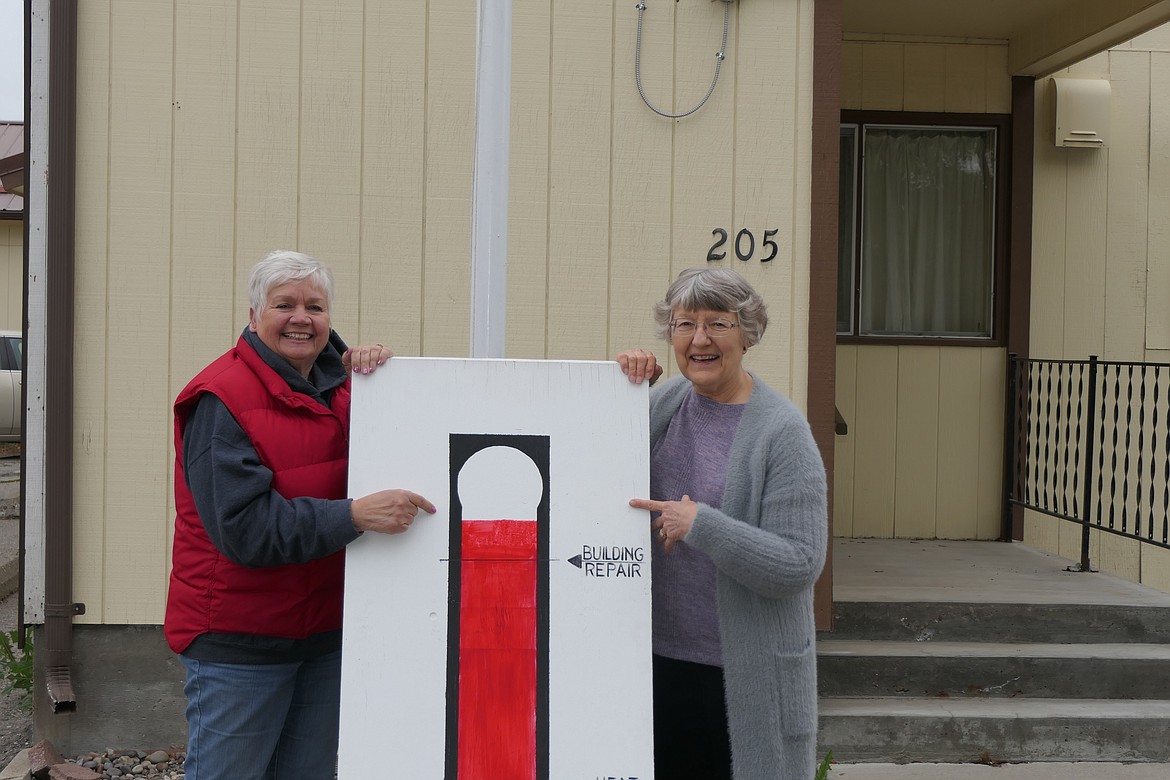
{"x":506,"y":637}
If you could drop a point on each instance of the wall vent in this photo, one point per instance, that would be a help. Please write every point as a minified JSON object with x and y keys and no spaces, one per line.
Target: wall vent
{"x":1082,"y":113}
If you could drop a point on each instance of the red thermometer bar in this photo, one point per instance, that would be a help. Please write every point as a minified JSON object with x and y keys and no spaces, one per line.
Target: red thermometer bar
{"x":497,"y":651}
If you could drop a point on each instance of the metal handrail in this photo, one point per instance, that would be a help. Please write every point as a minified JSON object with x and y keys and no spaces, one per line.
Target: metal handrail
{"x":1089,"y":442}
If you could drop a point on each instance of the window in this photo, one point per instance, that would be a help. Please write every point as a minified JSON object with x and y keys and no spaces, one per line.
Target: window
{"x":11,"y":356}
{"x":918,"y":229}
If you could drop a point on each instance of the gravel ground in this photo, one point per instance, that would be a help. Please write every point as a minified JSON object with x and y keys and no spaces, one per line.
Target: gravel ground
{"x":16,"y":733}
{"x":16,"y":730}
{"x":15,"y":720}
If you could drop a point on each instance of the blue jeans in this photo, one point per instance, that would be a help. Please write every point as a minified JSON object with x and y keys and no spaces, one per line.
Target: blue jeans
{"x":266,"y":721}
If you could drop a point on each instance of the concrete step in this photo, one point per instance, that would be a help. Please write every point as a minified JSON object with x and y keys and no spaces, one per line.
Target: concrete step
{"x":904,"y":730}
{"x":930,"y":621}
{"x":993,"y":669}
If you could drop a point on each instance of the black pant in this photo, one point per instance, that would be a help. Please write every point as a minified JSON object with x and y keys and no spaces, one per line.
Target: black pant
{"x":690,"y":722}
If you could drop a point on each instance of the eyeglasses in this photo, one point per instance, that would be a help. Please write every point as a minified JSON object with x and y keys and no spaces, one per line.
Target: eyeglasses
{"x":715,"y":328}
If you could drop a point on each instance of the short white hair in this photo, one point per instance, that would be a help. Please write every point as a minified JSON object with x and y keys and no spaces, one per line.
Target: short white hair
{"x":714,"y":289}
{"x":281,"y":267}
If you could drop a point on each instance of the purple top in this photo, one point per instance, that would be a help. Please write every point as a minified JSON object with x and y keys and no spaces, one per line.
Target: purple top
{"x":690,"y":459}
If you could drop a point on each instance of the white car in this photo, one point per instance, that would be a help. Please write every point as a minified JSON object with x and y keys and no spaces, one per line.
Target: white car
{"x":11,"y":377}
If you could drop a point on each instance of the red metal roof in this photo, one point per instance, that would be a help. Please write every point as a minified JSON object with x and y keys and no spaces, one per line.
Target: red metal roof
{"x":11,"y":146}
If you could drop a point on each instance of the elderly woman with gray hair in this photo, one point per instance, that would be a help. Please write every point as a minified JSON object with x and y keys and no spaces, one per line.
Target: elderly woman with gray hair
{"x":739,"y":508}
{"x":262,"y":519}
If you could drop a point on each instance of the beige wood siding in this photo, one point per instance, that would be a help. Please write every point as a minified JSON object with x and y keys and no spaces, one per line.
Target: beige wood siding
{"x":908,"y":75}
{"x":1158,"y":279}
{"x":212,"y":131}
{"x":1101,"y":256}
{"x":12,"y":272}
{"x":923,"y":456}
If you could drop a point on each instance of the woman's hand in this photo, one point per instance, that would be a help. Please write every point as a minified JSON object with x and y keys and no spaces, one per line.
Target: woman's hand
{"x":364,"y":359}
{"x":639,"y":365}
{"x":674,"y":519}
{"x":388,"y":511}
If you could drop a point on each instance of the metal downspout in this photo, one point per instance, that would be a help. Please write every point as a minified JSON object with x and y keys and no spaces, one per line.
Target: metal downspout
{"x":57,"y":646}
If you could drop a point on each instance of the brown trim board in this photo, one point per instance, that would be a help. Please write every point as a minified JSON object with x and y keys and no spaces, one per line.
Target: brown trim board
{"x":822,"y":319}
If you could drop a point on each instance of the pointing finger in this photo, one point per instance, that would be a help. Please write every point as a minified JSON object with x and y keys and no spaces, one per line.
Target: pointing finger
{"x":421,"y":502}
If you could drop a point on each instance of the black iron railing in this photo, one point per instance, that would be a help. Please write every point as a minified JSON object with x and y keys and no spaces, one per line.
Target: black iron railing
{"x":1089,"y":442}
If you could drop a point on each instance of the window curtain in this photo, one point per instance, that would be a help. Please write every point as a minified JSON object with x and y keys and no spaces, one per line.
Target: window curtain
{"x":928,"y":216}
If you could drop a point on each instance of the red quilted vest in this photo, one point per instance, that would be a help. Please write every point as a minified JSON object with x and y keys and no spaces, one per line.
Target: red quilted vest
{"x":305,"y":445}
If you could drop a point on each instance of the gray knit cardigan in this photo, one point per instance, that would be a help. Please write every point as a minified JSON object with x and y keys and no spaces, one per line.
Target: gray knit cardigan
{"x":768,"y":544}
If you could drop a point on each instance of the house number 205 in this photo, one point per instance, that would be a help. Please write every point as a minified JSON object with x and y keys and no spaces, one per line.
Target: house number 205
{"x":745,"y":245}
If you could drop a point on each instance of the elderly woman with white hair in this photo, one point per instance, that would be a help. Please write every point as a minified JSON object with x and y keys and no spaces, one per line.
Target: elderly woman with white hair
{"x":261,"y":471}
{"x":739,"y":507}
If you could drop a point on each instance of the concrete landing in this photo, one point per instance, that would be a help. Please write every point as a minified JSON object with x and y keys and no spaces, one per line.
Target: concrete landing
{"x":900,"y":570}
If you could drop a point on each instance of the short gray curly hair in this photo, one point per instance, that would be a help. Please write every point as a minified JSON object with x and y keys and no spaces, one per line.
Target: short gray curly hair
{"x":281,"y":267}
{"x":714,"y":289}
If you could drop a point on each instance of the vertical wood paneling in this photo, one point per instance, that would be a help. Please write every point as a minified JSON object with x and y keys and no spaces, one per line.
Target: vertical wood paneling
{"x":450,"y":121}
{"x":1060,"y":267}
{"x":89,"y":354}
{"x":329,"y":211}
{"x":882,"y":77}
{"x":1049,"y":235}
{"x":959,"y":428}
{"x":966,"y":79}
{"x":703,"y":168}
{"x":1157,"y":39}
{"x":796,"y":381}
{"x":852,"y":67}
{"x":1093,"y":67}
{"x":202,"y":270}
{"x":639,"y":269}
{"x":1119,"y":556}
{"x":926,"y":77}
{"x":1085,"y":255}
{"x":916,"y":444}
{"x":580,"y":148}
{"x":267,"y":147}
{"x":875,"y":449}
{"x":992,"y":390}
{"x":202,"y":274}
{"x":999,"y":81}
{"x":845,"y":447}
{"x":1043,"y":531}
{"x":1158,"y":281}
{"x":213,"y":132}
{"x":770,"y":165}
{"x":1068,"y":542}
{"x":1156,"y":568}
{"x":389,"y":295}
{"x":12,"y":272}
{"x":138,"y":416}
{"x":932,"y":435}
{"x":933,"y":77}
{"x":528,"y":188}
{"x":1128,"y":192}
